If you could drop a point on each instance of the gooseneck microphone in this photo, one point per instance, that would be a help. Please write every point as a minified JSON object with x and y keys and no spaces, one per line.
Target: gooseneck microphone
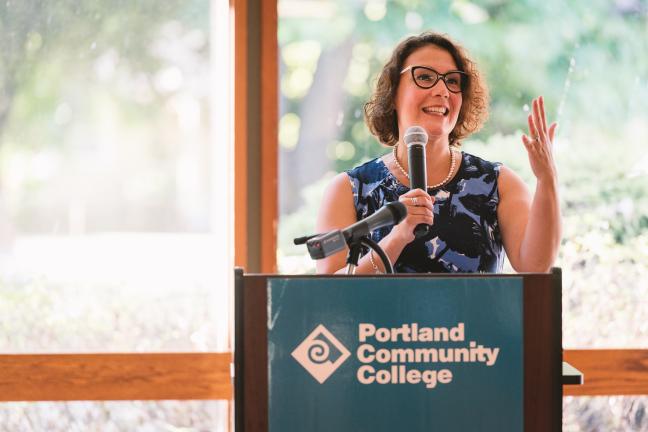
{"x":390,"y":214}
{"x":416,"y":139}
{"x":334,"y":241}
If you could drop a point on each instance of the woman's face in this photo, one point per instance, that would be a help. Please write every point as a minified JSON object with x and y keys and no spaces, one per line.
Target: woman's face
{"x":418,"y":106}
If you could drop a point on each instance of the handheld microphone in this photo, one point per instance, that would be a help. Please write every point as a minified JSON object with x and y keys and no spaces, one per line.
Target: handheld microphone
{"x":416,"y":139}
{"x":334,"y":241}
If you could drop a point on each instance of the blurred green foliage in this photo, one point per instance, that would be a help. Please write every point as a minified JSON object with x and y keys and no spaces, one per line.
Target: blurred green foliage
{"x":48,"y":44}
{"x":586,"y":58}
{"x":101,"y":91}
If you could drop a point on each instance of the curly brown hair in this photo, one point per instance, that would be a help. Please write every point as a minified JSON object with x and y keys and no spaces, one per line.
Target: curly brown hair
{"x":380,"y":113}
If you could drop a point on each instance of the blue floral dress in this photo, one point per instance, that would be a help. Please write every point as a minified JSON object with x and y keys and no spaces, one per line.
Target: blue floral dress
{"x":465,"y":237}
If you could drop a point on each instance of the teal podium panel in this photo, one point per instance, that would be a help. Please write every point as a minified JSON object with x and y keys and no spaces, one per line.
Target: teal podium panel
{"x":406,"y":354}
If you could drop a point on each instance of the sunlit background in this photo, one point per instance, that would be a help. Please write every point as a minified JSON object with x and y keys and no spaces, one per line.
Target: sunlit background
{"x":588,"y":60}
{"x":110,"y":169}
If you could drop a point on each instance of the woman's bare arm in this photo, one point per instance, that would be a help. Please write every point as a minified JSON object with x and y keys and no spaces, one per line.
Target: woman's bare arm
{"x":338,"y":212}
{"x":531,"y":228}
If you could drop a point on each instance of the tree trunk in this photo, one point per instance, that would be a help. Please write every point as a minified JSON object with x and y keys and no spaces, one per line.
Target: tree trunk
{"x":319,"y":112}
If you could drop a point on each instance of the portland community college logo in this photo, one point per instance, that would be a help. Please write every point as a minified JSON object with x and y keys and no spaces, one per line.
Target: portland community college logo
{"x":321,"y":353}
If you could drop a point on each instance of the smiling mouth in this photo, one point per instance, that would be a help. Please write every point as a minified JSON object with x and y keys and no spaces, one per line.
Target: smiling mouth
{"x":437,"y":110}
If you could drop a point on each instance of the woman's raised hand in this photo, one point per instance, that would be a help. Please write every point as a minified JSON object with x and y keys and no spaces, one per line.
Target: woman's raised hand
{"x":420,"y":210}
{"x":539,"y":143}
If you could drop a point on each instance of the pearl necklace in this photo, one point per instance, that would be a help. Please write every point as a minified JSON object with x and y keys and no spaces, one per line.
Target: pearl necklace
{"x":453,"y":163}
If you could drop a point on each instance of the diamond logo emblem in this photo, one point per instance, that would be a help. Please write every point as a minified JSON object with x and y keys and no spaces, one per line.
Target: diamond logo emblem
{"x":321,"y":353}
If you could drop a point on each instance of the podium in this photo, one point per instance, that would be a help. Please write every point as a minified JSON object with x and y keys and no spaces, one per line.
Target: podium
{"x":446,"y":352}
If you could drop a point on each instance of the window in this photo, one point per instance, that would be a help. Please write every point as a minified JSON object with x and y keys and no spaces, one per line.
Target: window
{"x":113,"y":217}
{"x":587,"y":64}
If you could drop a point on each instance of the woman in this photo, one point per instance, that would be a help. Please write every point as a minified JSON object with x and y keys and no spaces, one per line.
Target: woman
{"x":474,"y":207}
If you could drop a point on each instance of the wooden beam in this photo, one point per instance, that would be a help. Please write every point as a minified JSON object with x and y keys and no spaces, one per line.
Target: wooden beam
{"x":256,"y":117}
{"x":240,"y":133}
{"x":609,"y":372}
{"x":68,"y":377}
{"x":269,"y":136}
{"x":186,"y":376}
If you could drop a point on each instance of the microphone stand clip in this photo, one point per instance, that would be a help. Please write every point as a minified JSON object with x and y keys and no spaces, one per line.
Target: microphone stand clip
{"x":355,"y":249}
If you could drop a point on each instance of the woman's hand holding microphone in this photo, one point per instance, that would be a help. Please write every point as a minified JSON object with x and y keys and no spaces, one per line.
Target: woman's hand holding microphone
{"x":420,"y":210}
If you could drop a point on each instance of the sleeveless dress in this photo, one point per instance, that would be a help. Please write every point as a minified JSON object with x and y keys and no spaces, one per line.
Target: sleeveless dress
{"x":465,"y":236}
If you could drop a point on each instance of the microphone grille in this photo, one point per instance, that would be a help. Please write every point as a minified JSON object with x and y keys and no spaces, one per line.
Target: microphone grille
{"x":415,"y":135}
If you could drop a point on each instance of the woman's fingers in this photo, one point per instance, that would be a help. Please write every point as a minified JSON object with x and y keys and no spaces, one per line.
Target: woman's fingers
{"x":543,"y":116}
{"x":416,"y":193}
{"x":552,"y":131}
{"x":539,"y":143}
{"x":417,"y":198}
{"x":420,"y":211}
{"x":537,"y":121}
{"x":526,"y":141}
{"x":418,"y":220}
{"x":541,"y":124}
{"x":533,"y":132}
{"x":420,"y":207}
{"x":536,"y":118}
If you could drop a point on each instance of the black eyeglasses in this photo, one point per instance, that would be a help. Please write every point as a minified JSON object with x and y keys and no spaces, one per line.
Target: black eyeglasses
{"x":425,"y":78}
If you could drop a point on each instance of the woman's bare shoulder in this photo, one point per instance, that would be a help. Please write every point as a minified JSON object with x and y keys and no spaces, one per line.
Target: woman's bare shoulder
{"x":510,"y":184}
